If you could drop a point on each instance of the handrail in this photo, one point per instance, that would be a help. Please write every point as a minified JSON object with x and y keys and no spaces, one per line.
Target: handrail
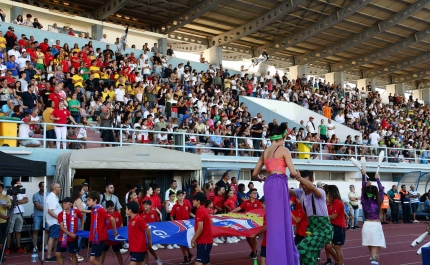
{"x":237,"y":151}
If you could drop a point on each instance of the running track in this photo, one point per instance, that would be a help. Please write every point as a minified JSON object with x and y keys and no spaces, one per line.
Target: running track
{"x":398,"y":251}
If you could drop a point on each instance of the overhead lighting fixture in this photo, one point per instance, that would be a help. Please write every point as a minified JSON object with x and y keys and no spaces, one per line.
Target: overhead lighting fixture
{"x":65,"y":3}
{"x":118,"y":15}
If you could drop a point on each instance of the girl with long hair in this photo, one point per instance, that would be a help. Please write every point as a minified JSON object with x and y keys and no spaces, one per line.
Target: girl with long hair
{"x":372,"y":234}
{"x":276,"y":158}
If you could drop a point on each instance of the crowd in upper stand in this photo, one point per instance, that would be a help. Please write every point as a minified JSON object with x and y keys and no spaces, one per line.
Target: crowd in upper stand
{"x":120,"y":90}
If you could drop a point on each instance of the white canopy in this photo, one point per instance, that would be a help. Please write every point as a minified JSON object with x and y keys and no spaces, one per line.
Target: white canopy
{"x":140,"y":157}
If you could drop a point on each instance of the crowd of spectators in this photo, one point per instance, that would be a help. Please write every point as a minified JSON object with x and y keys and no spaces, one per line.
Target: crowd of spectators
{"x":147,"y":93}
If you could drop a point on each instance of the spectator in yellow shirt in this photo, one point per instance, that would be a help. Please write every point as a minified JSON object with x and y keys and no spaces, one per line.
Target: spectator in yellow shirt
{"x":77,"y":79}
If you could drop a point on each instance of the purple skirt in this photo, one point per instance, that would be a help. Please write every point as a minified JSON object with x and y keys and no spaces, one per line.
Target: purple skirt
{"x":280,"y":247}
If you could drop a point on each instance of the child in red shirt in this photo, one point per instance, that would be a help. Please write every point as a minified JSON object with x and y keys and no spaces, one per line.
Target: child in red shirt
{"x":98,"y":226}
{"x":116,"y":246}
{"x":219,"y":199}
{"x":263,"y":243}
{"x":150,"y":216}
{"x":137,"y":227}
{"x":300,"y":219}
{"x":68,"y":220}
{"x":203,"y":237}
{"x":182,"y":211}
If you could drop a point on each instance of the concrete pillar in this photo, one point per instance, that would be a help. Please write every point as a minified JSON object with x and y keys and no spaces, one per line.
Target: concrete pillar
{"x":335,"y":77}
{"x":162,"y":45}
{"x":426,"y":96}
{"x":97,"y":32}
{"x":298,"y":71}
{"x":365,"y":82}
{"x":15,"y":11}
{"x":400,"y":89}
{"x":213,"y":55}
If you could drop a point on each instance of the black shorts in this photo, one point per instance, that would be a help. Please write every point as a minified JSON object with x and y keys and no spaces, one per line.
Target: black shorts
{"x":3,"y":232}
{"x":339,"y":234}
{"x":115,"y":248}
{"x":72,"y":245}
{"x":298,"y":239}
{"x":263,"y":251}
{"x":204,"y":253}
{"x":138,"y":256}
{"x":97,"y":249}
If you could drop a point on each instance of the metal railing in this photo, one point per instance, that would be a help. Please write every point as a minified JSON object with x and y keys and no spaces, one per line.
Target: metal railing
{"x":312,"y":150}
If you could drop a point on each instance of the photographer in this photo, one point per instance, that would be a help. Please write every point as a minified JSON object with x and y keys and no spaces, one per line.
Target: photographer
{"x":4,"y":205}
{"x":16,"y":220}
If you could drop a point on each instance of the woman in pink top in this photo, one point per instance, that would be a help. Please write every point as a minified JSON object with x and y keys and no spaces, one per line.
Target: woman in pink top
{"x":280,"y":239}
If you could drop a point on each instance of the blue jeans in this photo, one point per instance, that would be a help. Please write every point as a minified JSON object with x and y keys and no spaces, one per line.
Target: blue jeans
{"x":191,"y":149}
{"x":355,"y":212}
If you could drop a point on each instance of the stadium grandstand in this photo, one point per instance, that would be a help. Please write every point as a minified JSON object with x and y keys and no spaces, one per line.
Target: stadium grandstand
{"x":151,"y":92}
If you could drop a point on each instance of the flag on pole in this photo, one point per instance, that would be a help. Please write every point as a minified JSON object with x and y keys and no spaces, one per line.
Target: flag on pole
{"x":262,"y":58}
{"x":122,"y":45}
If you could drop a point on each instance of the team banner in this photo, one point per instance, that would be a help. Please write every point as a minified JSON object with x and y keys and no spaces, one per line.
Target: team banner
{"x":181,"y":232}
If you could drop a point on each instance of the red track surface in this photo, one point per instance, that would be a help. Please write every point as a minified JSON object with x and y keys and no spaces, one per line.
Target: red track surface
{"x":398,"y":251}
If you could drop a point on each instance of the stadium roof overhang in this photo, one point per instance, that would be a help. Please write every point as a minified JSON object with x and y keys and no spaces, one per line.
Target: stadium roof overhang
{"x":388,"y":39}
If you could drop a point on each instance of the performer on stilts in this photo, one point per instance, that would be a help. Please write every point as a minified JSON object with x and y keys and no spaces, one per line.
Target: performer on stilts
{"x":281,"y":249}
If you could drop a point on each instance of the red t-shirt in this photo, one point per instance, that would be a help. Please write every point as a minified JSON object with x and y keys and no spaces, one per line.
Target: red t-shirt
{"x":230,"y":204}
{"x":32,"y":54}
{"x":118,"y":221}
{"x":153,"y":201}
{"x":56,"y":98}
{"x":136,"y":234}
{"x":102,"y":218}
{"x":77,"y":215}
{"x":299,"y":213}
{"x":336,"y":207}
{"x":202,"y":215}
{"x":44,"y":47}
{"x":62,"y":114}
{"x":48,"y":58}
{"x":150,"y":217}
{"x":75,"y":64}
{"x":65,"y":66}
{"x":263,"y":243}
{"x":218,"y":201}
{"x":248,"y":205}
{"x":210,"y":195}
{"x":181,"y":212}
{"x":156,"y":202}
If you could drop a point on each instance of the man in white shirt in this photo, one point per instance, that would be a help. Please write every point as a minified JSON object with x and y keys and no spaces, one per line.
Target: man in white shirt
{"x":15,"y":219}
{"x":3,"y":68}
{"x":173,"y":188}
{"x":53,"y":28}
{"x":310,"y":126}
{"x":22,"y":61}
{"x":374,"y":140}
{"x":14,"y":51}
{"x":330,"y":129}
{"x":415,"y":201}
{"x":52,"y":209}
{"x":104,"y":39}
{"x":119,"y":93}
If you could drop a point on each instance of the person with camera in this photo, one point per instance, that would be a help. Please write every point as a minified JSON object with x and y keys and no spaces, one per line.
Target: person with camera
{"x":52,"y":209}
{"x":15,"y":218}
{"x":4,"y":206}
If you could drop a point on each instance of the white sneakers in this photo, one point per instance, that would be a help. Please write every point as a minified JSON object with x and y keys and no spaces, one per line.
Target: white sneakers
{"x":154,"y":247}
{"x":169,"y":247}
{"x":159,"y":261}
{"x":232,"y":240}
{"x":175,"y":246}
{"x":242,"y":238}
{"x":160,"y":246}
{"x":214,"y":244}
{"x":123,"y":250}
{"x":416,"y":221}
{"x":218,"y":241}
